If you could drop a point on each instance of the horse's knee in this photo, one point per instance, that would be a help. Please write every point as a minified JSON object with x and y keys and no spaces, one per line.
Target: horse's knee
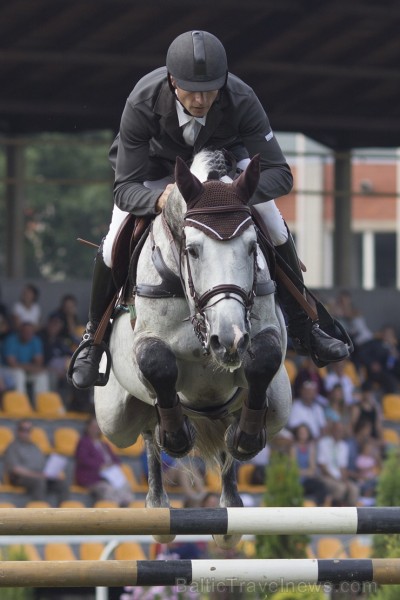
{"x":157,"y":363}
{"x":265,"y":355}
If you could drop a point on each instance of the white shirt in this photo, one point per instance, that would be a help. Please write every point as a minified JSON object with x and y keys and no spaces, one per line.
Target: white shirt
{"x":27,"y":315}
{"x":312,"y":415}
{"x":334,"y":455}
{"x":191,"y":125}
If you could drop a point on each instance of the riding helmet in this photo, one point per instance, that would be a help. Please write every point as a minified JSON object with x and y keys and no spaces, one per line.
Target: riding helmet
{"x":197,"y":61}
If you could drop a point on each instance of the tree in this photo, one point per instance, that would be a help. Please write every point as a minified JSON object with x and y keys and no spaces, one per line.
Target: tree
{"x":283,"y":489}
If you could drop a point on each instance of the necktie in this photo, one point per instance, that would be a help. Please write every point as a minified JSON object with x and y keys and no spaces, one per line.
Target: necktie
{"x":190,"y":131}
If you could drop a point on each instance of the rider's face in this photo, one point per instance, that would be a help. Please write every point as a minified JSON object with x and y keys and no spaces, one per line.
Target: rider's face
{"x":196,"y":103}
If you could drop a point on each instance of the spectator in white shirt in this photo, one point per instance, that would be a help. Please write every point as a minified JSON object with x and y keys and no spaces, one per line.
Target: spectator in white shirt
{"x":306,"y":409}
{"x":336,"y":375}
{"x":27,"y":309}
{"x":333,"y":462}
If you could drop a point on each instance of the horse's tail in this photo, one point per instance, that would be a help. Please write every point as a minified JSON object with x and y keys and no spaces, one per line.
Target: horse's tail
{"x":210,"y":442}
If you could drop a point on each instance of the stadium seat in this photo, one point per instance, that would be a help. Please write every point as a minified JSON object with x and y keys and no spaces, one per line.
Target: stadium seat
{"x":391,"y":436}
{"x":40,"y":438}
{"x":391,"y":407}
{"x":49,"y":404}
{"x":360,"y":547}
{"x":330,"y":547}
{"x":7,"y":505}
{"x":90,"y":550}
{"x":129,"y":551}
{"x":66,"y":440}
{"x":72,"y":504}
{"x":213,"y":481}
{"x":291,"y":369}
{"x":58,"y":551}
{"x":105,"y":504}
{"x":37,"y":504}
{"x":132,"y":480}
{"x":17,"y":405}
{"x":6,"y":437}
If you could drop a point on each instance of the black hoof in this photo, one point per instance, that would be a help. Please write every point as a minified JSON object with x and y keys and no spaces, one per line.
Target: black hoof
{"x":244,"y":446}
{"x":177,"y":443}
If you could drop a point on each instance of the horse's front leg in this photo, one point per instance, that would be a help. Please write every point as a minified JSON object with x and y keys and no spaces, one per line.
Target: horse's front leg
{"x":156,"y":496}
{"x":229,"y":497}
{"x":174,"y":432}
{"x":248,"y":436}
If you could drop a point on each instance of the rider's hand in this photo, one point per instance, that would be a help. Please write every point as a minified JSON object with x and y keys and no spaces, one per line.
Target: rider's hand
{"x":164,"y":197}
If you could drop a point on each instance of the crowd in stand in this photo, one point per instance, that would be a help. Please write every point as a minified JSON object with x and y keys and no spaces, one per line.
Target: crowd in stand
{"x":335,"y":429}
{"x":35,"y":351}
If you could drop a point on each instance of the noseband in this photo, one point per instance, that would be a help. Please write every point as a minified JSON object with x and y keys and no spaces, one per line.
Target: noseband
{"x":227,"y":291}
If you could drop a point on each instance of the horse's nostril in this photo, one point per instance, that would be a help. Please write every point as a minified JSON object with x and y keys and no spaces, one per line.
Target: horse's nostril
{"x":243,"y":343}
{"x":214,"y":342}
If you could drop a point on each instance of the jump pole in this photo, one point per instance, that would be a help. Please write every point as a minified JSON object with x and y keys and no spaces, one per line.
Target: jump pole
{"x":205,"y":574}
{"x":192,"y":521}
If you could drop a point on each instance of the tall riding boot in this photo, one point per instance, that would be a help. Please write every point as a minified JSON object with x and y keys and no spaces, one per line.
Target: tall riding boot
{"x":307,"y":337}
{"x":85,"y":370}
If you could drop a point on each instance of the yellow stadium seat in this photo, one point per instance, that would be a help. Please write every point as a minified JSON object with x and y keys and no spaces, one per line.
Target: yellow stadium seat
{"x":17,"y":405}
{"x":40,"y":438}
{"x":213,"y":481}
{"x":49,"y":404}
{"x":360,"y":547}
{"x":132,"y":480}
{"x":137,"y":504}
{"x":72,"y":504}
{"x":129,"y":551}
{"x":37,"y":504}
{"x":6,"y":437}
{"x":66,"y":440}
{"x":351,"y":371}
{"x":90,"y":550}
{"x":58,"y":551}
{"x":391,"y":407}
{"x":330,"y":547}
{"x":291,"y":369}
{"x":391,"y":436}
{"x":105,"y":504}
{"x":7,"y":505}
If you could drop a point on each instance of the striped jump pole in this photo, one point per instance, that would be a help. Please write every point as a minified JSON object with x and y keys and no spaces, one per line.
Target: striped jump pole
{"x":204,"y":574}
{"x":192,"y":521}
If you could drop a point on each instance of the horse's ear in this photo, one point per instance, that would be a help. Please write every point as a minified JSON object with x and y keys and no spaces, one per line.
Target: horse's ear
{"x":188,"y":184}
{"x":246,"y":184}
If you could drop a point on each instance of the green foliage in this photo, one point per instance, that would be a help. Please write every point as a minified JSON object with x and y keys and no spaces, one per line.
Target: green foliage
{"x":388,"y":545}
{"x":68,"y":194}
{"x":313,"y":593}
{"x":283,"y":489}
{"x":14,"y":553}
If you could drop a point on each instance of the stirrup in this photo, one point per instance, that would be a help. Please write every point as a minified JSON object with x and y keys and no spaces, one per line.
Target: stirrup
{"x":103,"y":378}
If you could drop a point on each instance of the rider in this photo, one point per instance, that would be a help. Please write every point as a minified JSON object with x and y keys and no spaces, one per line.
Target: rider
{"x":177,"y":110}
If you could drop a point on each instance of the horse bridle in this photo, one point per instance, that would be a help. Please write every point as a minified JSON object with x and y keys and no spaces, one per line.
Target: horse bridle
{"x":228,"y":291}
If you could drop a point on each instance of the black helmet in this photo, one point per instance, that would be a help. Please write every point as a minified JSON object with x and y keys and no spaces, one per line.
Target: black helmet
{"x":197,"y":61}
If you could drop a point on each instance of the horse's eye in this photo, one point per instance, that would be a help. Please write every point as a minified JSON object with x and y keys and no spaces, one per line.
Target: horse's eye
{"x":192,"y":251}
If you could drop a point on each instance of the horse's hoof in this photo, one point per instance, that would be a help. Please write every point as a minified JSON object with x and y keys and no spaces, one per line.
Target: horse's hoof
{"x":177,"y":443}
{"x":244,"y":446}
{"x":227,"y":541}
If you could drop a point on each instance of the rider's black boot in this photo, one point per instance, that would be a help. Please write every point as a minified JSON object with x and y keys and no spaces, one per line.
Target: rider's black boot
{"x":306,"y":337}
{"x":85,"y":370}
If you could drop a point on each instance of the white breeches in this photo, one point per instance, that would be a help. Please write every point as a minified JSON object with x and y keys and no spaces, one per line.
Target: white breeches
{"x":268,"y":211}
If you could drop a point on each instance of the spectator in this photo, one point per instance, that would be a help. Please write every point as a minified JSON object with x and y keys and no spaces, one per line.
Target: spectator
{"x":99,"y":469}
{"x":305,"y":455}
{"x":23,"y":354}
{"x":368,"y":464}
{"x":368,"y":411}
{"x":335,"y":409}
{"x":350,"y":316}
{"x":27,"y":309}
{"x":337,"y":375}
{"x":333,"y":462}
{"x":308,"y":371}
{"x":67,"y":312}
{"x":306,"y":409}
{"x":25,"y":465}
{"x":56,"y":353}
{"x":380,"y":357}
